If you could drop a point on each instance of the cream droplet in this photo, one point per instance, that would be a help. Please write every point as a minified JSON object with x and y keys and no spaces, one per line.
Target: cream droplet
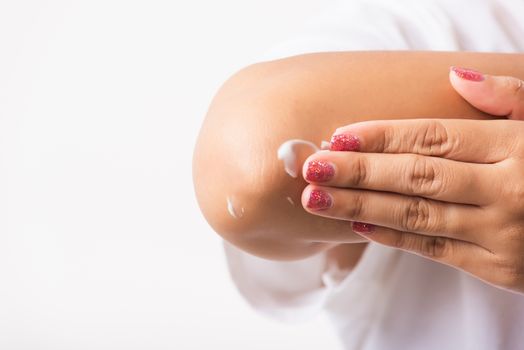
{"x":290,"y":200}
{"x":237,"y":214}
{"x":286,"y":153}
{"x":325,"y":145}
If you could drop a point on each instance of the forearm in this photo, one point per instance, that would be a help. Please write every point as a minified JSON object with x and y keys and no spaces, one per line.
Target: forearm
{"x":308,"y":97}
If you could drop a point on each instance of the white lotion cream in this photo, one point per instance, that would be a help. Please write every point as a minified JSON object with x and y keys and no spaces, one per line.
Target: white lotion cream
{"x":325,"y":145}
{"x":232,"y":210}
{"x":286,"y":153}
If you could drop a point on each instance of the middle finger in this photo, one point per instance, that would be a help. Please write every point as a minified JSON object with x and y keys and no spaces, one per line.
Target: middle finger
{"x":409,"y":174}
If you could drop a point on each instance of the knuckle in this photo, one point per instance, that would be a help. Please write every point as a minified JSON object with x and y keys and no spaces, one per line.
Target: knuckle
{"x":423,"y":176}
{"x":436,"y":247}
{"x":518,"y":90}
{"x":433,"y":139}
{"x":402,"y":241}
{"x":513,"y":85}
{"x":355,"y":210}
{"x":391,"y":142}
{"x":416,"y":216}
{"x":359,"y":172}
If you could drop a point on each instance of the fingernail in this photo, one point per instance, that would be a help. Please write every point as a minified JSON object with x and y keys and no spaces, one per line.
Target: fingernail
{"x":319,"y":200}
{"x":362,"y":227}
{"x":345,"y":142}
{"x":468,"y":74}
{"x":319,"y":171}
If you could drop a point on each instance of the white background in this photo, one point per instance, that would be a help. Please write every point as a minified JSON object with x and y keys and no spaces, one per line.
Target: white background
{"x":102,"y":245}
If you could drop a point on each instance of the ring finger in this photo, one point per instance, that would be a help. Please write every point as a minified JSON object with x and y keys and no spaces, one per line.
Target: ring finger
{"x":399,"y":212}
{"x":410,"y":174}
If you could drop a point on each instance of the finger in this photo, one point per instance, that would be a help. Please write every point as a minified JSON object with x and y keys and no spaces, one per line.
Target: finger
{"x":403,"y":213}
{"x":497,"y":95}
{"x":465,"y":256}
{"x":476,"y":141}
{"x":410,"y":174}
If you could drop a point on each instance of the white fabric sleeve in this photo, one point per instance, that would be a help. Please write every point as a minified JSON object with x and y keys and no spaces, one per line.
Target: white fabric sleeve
{"x":285,"y":290}
{"x":295,"y":290}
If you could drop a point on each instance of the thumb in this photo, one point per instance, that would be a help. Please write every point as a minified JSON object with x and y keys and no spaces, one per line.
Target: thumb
{"x":496,"y":95}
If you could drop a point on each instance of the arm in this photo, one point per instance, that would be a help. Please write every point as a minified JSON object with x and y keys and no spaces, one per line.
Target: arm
{"x":308,"y":97}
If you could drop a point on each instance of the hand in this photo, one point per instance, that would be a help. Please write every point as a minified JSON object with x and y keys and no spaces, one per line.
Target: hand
{"x":449,"y":190}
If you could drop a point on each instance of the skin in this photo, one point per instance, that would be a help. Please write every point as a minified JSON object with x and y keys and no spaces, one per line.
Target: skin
{"x":449,"y":190}
{"x":308,"y":97}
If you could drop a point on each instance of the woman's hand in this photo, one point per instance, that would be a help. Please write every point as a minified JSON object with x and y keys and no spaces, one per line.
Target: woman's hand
{"x":449,"y":190}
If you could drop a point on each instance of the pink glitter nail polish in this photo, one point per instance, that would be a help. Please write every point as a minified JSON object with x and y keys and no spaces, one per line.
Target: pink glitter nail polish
{"x":319,"y":171}
{"x":345,"y":142}
{"x":468,"y":74}
{"x":319,"y":200}
{"x":362,"y":227}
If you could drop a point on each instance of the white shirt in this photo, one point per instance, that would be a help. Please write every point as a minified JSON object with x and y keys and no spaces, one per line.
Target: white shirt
{"x":393,"y":299}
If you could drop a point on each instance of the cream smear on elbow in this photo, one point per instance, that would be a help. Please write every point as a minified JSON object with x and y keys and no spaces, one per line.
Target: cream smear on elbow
{"x":286,"y":153}
{"x":237,"y":214}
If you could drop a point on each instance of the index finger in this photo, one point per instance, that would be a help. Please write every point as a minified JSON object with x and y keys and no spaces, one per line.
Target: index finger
{"x":475,"y":141}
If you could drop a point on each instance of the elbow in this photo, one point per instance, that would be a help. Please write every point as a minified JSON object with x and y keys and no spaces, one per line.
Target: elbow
{"x":241,"y":187}
{"x":232,"y":170}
